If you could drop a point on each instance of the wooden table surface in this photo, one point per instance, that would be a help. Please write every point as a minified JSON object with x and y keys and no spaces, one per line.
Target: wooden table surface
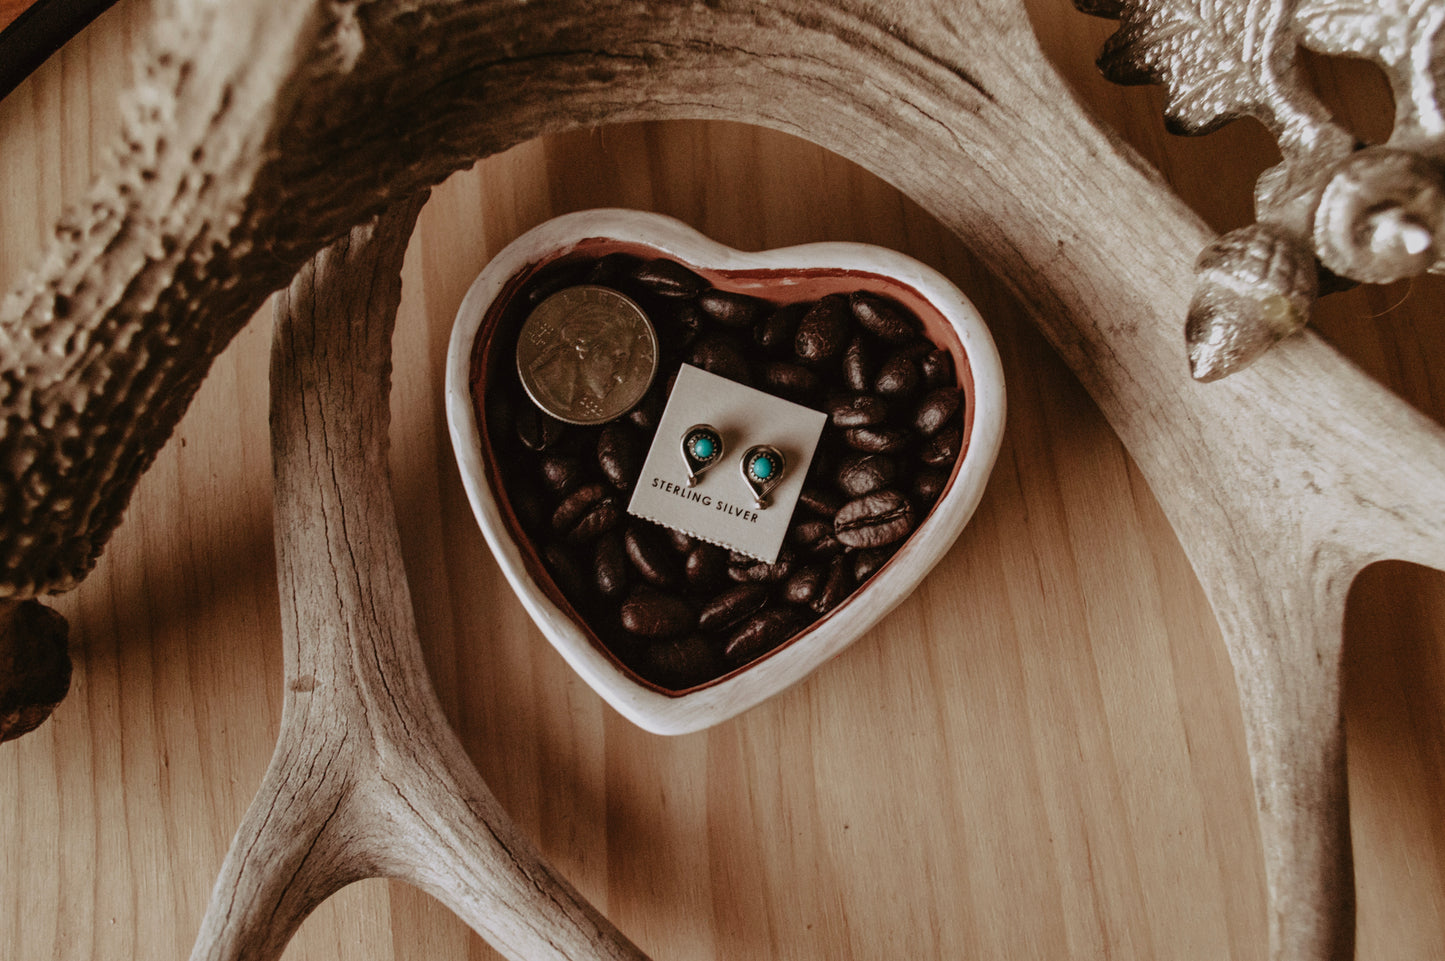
{"x":1038,"y":755}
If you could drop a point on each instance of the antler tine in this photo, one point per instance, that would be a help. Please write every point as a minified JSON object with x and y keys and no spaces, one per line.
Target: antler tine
{"x":1398,"y":497}
{"x":1287,"y":669}
{"x":367,"y":778}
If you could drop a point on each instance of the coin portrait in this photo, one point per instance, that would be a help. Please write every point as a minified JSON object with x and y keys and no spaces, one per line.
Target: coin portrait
{"x":587,"y":354}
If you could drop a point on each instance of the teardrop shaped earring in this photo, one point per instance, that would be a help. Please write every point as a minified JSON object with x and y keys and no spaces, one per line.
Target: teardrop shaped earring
{"x":762,"y":468}
{"x":702,"y":448}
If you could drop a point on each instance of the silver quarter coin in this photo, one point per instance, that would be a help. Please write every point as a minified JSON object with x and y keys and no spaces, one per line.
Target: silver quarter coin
{"x":587,"y":354}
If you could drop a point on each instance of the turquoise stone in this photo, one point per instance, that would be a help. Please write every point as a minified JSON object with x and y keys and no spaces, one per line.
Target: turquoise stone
{"x":702,"y":447}
{"x":763,"y":468}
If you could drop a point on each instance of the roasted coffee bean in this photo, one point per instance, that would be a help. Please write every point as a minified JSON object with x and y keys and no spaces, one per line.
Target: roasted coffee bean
{"x":747,"y":569}
{"x":937,"y":409}
{"x":583,"y":443}
{"x":884,"y":318}
{"x":836,"y":587}
{"x":575,"y":505}
{"x":942,"y":449}
{"x":928,"y":486}
{"x":825,"y":461}
{"x":648,"y":412}
{"x":612,"y":270}
{"x":566,"y":572}
{"x":651,"y":557}
{"x":762,"y":632}
{"x":812,"y":536}
{"x":603,"y":517}
{"x":526,"y":503}
{"x":877,"y":440}
{"x":826,"y":547}
{"x":561,"y":471}
{"x":820,"y":501}
{"x":793,"y":381}
{"x":536,"y":430}
{"x":823,"y":331}
{"x":858,"y":366}
{"x":867,"y":562}
{"x":651,"y":613}
{"x":899,"y":376}
{"x":586,"y":512}
{"x":776,"y":331}
{"x":681,"y":663}
{"x":668,"y":278}
{"x":729,"y":308}
{"x":686,"y":318}
{"x":937,"y":368}
{"x":857,"y":410}
{"x":705,"y":566}
{"x":609,"y":566}
{"x":804,"y":585}
{"x":555,"y":277}
{"x":720,"y":355}
{"x":619,"y":454}
{"x":731,"y":606}
{"x":866,"y":473}
{"x":682,"y":543}
{"x":874,"y":519}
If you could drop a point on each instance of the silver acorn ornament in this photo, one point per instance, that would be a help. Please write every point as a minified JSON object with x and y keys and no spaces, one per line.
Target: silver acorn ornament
{"x":1254,"y":286}
{"x":1373,"y":214}
{"x":1381,"y":217}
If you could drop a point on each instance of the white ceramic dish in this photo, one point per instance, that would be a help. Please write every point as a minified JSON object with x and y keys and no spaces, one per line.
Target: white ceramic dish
{"x":790,"y":273}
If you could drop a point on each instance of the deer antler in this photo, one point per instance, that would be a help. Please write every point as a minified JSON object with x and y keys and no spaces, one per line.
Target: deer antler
{"x":263,"y":131}
{"x":367,"y":778}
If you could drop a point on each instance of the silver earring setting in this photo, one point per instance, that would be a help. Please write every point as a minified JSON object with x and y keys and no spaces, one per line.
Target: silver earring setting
{"x":762,"y":468}
{"x":702,"y":448}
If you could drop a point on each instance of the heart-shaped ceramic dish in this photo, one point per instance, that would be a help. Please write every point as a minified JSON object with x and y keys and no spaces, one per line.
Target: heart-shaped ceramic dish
{"x":785,"y":274}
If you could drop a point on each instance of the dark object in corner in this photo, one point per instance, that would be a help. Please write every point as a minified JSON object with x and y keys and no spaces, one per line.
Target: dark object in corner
{"x":34,"y":665}
{"x":41,"y":29}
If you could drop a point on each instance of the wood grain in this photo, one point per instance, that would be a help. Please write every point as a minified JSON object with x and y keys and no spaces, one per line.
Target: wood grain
{"x":1046,"y":734}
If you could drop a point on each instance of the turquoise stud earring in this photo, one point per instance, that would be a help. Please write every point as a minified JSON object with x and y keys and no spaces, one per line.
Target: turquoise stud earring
{"x":702,"y":447}
{"x":762,"y":468}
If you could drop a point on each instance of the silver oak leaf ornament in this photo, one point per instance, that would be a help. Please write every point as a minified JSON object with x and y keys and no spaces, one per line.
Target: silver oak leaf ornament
{"x":1332,"y":208}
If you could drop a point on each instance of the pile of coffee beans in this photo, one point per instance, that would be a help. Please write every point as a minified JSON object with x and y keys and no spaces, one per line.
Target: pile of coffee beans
{"x":678,"y":611}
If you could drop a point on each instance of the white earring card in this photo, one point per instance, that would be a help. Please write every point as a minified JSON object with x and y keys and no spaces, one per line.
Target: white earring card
{"x":719,"y":507}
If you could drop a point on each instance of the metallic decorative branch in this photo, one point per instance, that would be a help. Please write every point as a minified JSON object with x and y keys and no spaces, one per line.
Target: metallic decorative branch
{"x":1373,"y":214}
